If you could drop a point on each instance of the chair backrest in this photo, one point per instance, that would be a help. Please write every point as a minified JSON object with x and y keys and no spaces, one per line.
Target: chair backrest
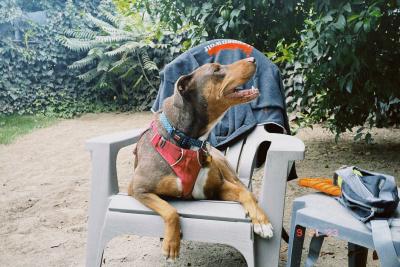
{"x":242,"y":155}
{"x":233,"y":154}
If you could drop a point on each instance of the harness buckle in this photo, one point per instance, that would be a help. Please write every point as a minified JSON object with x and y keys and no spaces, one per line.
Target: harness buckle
{"x":162,"y":142}
{"x":206,"y":150}
{"x":176,"y":137}
{"x":204,"y":145}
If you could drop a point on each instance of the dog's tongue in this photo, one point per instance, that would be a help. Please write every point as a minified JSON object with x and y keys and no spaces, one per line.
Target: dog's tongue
{"x":245,"y":92}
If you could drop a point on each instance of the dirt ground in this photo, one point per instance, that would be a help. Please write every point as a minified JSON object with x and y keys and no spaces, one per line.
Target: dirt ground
{"x":45,"y":190}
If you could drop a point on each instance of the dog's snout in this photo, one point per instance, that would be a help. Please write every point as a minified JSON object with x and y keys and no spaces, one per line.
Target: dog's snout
{"x":251,"y":59}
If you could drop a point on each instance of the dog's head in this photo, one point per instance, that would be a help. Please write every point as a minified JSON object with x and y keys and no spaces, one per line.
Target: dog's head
{"x":213,"y":87}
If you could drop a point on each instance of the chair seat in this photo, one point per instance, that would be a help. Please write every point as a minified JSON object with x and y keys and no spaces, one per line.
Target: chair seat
{"x":328,"y":216}
{"x":200,"y":209}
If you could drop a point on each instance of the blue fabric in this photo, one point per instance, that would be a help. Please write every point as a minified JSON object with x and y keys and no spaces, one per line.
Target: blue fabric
{"x":269,"y":107}
{"x":369,"y":195}
{"x":167,"y":125}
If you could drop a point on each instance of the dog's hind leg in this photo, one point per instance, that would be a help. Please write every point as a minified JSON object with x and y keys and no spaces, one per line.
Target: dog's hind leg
{"x":172,"y":238}
{"x":234,"y":192}
{"x":225,"y":167}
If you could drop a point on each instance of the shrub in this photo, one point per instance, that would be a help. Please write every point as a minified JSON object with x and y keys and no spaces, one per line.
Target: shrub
{"x":34,"y":72}
{"x":259,"y":23}
{"x":344,"y":70}
{"x":33,"y":67}
{"x":117,"y":62}
{"x":339,"y":58}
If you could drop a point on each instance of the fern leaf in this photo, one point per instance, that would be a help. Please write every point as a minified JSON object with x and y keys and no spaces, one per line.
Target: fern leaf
{"x":126,"y":48}
{"x":138,"y":81}
{"x":102,"y":83}
{"x":107,"y":27}
{"x":78,"y":45}
{"x":96,"y":52}
{"x":103,"y":65}
{"x":128,"y":73}
{"x":98,"y":22}
{"x":83,"y":62}
{"x":116,"y":66}
{"x":112,"y":38}
{"x":80,"y":33}
{"x":110,"y":17}
{"x":89,"y":75}
{"x":148,"y":64}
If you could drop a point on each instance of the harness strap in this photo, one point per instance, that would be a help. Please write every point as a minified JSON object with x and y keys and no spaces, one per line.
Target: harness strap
{"x":185,"y":163}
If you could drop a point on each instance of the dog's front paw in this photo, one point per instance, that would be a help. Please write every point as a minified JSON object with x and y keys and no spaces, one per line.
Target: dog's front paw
{"x":263,"y":230}
{"x":170,"y":249}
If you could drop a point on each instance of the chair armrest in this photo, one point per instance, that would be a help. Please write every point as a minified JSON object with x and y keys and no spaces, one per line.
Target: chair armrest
{"x":284,"y":149}
{"x":104,"y":151}
{"x":104,"y":182}
{"x":115,"y":140}
{"x":290,"y":147}
{"x":282,"y":146}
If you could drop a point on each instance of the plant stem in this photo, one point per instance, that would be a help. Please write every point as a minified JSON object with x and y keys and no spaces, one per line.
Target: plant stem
{"x":143,"y":71}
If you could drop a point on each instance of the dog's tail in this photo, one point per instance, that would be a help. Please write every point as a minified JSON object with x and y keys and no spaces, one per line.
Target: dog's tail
{"x":135,"y":157}
{"x":135,"y":162}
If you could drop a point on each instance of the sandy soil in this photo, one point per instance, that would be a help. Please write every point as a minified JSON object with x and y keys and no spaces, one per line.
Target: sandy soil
{"x":45,"y":190}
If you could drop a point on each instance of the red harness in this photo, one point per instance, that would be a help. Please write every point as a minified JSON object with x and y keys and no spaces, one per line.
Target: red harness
{"x":186,"y":163}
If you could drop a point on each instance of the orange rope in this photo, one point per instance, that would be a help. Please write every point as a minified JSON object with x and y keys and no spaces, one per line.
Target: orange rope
{"x":321,"y":184}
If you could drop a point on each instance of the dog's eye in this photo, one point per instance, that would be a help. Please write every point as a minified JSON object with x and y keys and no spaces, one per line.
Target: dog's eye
{"x":217,"y":69}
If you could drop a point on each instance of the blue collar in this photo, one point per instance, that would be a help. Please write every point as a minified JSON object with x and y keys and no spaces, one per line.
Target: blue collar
{"x":182,"y":139}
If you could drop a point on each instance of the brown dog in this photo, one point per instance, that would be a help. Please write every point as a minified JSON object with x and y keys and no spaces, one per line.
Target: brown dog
{"x":200,"y":99}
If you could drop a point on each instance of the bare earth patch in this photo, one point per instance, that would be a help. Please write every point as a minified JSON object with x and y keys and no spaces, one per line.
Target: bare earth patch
{"x":45,"y":178}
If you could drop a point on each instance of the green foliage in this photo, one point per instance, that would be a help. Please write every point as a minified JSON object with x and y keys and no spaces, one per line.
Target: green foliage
{"x":339,"y":59}
{"x":345,"y":72}
{"x":121,"y":56}
{"x":12,"y":126}
{"x":116,"y":60}
{"x":33,"y":71}
{"x":75,"y":62}
{"x":260,"y":23}
{"x":9,"y":11}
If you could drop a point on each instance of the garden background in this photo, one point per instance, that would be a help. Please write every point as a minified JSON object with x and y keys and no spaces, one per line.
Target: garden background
{"x":78,"y":69}
{"x":339,"y":59}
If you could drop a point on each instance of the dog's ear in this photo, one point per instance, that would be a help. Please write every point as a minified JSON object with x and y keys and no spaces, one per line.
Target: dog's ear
{"x":182,"y":87}
{"x":184,"y":83}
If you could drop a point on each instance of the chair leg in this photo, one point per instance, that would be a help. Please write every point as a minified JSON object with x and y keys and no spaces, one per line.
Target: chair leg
{"x":103,"y":185}
{"x":96,"y":242}
{"x":100,"y":259}
{"x":296,"y":246}
{"x":315,"y":249}
{"x":94,"y":249}
{"x":246,"y":249}
{"x":296,"y":237}
{"x":249,"y":257}
{"x":357,"y":255}
{"x":97,"y":250}
{"x":96,"y":253}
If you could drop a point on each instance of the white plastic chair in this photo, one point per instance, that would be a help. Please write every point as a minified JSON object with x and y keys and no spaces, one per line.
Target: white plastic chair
{"x":112,"y":213}
{"x":325,"y":215}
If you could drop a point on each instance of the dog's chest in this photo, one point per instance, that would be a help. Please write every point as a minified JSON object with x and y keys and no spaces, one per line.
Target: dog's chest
{"x":198,"y":188}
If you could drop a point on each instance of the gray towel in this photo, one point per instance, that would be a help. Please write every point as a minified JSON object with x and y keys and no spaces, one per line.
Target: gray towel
{"x":268,"y":108}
